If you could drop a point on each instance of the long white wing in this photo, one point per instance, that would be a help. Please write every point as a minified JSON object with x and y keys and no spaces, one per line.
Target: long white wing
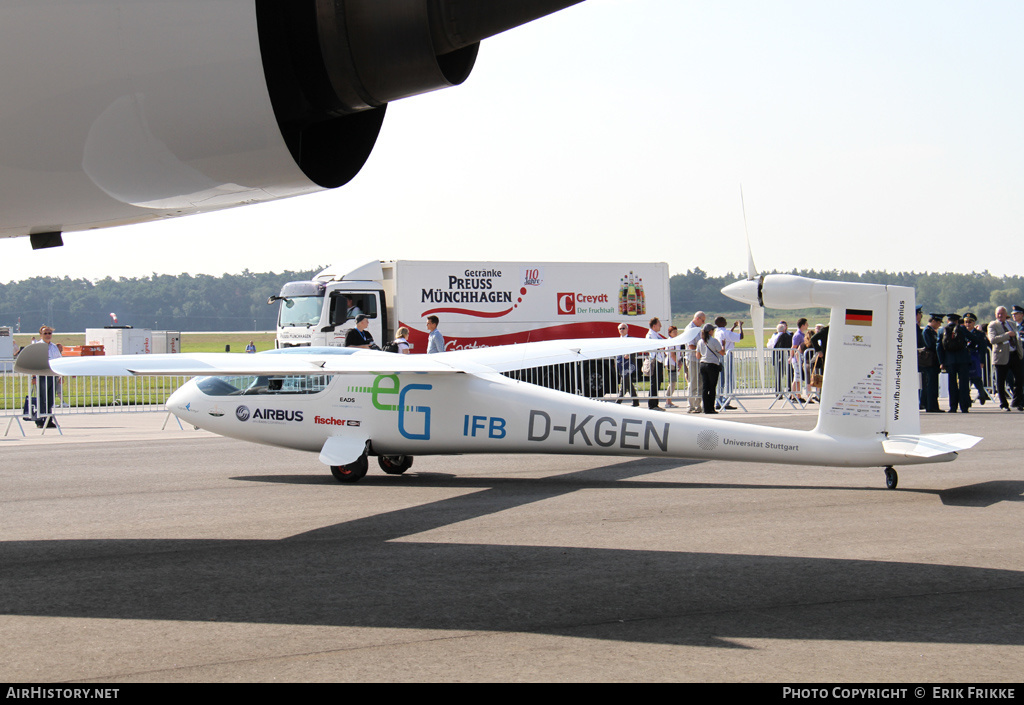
{"x":32,"y":360}
{"x":505,"y":358}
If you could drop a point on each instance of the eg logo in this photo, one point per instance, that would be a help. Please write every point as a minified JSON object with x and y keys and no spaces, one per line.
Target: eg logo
{"x":566,"y":304}
{"x":413,"y":421}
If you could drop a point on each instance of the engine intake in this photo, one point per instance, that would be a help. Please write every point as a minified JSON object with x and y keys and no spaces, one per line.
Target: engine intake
{"x":333,"y":65}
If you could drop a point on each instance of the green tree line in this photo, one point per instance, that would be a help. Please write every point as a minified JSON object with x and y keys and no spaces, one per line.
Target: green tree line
{"x":948,"y":292}
{"x":239,"y":301}
{"x":161,"y":301}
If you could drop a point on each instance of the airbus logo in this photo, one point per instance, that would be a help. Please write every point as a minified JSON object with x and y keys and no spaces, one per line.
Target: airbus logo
{"x":242,"y":413}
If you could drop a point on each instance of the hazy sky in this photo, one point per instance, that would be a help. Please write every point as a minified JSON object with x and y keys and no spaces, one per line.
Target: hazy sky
{"x":865,"y":135}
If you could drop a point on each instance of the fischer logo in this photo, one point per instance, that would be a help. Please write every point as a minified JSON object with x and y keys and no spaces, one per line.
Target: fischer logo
{"x":321,"y":421}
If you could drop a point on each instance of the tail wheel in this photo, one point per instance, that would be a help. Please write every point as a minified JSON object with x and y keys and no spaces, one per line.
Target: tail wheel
{"x":394,"y":464}
{"x":353,"y":472}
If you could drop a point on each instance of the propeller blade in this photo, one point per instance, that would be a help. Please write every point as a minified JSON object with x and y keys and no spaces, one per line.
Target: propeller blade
{"x":756,"y":309}
{"x":751,"y":269}
{"x":757,"y":319}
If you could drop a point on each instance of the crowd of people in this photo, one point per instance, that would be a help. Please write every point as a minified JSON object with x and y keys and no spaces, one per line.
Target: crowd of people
{"x":706,"y":369}
{"x":963,"y":349}
{"x":958,"y":347}
{"x":360,"y":337}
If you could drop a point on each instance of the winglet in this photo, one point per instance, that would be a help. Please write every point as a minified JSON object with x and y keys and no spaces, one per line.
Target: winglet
{"x":34,"y":360}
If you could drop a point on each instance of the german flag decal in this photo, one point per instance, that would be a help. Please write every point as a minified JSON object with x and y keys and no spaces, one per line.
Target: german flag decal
{"x":858,"y":317}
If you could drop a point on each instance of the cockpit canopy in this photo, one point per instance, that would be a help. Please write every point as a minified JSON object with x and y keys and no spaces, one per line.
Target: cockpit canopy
{"x":252,"y":385}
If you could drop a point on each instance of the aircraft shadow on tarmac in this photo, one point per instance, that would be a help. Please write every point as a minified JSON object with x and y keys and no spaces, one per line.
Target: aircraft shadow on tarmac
{"x":358,"y":573}
{"x":982,"y":494}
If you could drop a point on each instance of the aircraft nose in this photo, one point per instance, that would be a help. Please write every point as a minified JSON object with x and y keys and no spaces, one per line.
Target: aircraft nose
{"x":179,"y":400}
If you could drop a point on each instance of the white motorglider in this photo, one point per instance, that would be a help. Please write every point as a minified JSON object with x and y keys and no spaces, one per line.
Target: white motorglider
{"x":349,"y":404}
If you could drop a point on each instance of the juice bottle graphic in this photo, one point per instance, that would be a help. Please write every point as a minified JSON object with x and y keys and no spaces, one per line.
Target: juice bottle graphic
{"x":631,"y":296}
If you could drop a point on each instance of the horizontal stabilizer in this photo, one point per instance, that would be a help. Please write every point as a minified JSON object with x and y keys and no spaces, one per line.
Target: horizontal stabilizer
{"x":930,"y":445}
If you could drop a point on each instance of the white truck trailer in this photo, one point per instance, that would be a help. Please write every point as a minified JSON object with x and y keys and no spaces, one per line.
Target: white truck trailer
{"x":125,"y":340}
{"x":479,"y":304}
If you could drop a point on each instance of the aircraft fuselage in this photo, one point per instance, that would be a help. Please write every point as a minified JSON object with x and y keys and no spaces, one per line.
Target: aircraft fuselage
{"x":412,"y":414}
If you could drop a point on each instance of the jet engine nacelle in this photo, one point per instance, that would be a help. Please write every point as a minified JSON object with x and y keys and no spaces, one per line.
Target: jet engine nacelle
{"x":122,"y":111}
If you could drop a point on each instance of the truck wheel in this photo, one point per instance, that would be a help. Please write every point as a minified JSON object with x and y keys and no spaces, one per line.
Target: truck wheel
{"x":394,"y":464}
{"x":353,"y":472}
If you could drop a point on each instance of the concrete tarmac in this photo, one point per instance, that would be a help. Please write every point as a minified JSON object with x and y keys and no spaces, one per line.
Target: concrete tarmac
{"x":135,"y":554}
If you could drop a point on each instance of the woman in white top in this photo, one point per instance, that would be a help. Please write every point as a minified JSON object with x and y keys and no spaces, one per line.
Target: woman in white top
{"x":709,"y":350}
{"x":404,"y":346}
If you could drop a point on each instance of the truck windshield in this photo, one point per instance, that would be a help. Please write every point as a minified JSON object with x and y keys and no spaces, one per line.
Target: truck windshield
{"x":301,"y":311}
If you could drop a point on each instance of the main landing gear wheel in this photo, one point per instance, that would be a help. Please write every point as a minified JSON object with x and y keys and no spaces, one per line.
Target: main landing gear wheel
{"x":353,"y":472}
{"x":891,"y":478}
{"x":394,"y":464}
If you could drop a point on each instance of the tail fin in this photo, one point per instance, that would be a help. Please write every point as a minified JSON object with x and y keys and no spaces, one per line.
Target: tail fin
{"x":870,"y":378}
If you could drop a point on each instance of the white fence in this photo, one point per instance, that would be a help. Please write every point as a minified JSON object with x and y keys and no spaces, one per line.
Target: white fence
{"x":785,"y":378}
{"x":46,"y":399}
{"x":740,"y":378}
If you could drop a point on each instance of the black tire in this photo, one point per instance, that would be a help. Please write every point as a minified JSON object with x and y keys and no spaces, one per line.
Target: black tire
{"x":891,"y":478}
{"x":394,"y":464}
{"x":353,"y":472}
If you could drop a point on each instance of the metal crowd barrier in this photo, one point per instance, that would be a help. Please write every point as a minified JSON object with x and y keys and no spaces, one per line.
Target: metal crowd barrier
{"x":624,"y":379}
{"x":26,"y":398}
{"x":23,"y":398}
{"x":782,"y":376}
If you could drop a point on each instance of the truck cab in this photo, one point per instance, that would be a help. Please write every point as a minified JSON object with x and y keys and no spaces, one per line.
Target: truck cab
{"x":324,"y":310}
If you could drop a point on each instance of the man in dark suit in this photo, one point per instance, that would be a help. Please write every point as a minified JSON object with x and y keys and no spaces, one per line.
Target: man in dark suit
{"x":929,"y":363}
{"x":955,"y":358}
